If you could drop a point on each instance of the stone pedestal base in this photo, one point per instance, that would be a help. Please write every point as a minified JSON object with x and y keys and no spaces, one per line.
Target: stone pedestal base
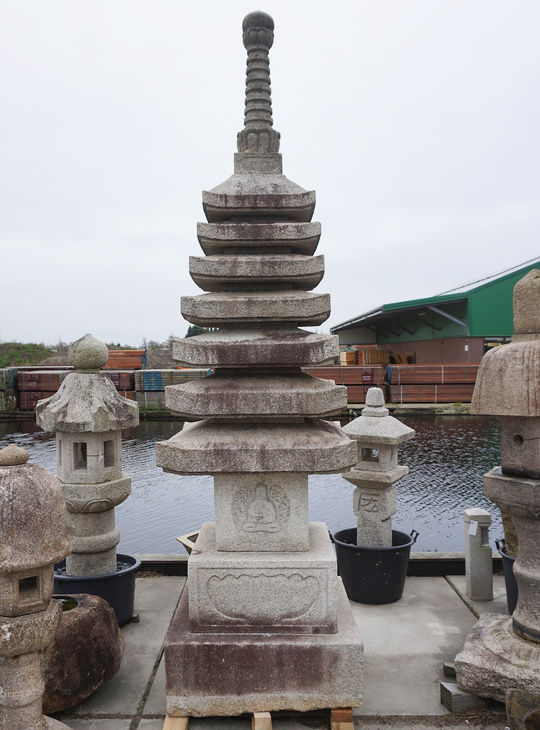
{"x":260,"y":592}
{"x":495,"y":659}
{"x":228,"y":674}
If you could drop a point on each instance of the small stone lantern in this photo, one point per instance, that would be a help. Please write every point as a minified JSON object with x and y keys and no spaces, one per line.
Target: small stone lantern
{"x":377,"y":435}
{"x":503,"y":652}
{"x":88,"y":415}
{"x":32,"y":540}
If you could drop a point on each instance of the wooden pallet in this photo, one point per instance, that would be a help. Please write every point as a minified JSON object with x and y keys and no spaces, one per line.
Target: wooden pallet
{"x":341,"y":719}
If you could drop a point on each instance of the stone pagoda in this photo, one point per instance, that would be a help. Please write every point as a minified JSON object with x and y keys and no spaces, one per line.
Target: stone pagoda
{"x":378,"y":436}
{"x":88,"y":415}
{"x":503,"y":652}
{"x":266,"y":624}
{"x":32,"y":539}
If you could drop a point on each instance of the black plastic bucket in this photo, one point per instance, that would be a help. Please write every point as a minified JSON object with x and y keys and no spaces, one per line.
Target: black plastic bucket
{"x":118,"y":589}
{"x":373,"y":575}
{"x":509,"y":577}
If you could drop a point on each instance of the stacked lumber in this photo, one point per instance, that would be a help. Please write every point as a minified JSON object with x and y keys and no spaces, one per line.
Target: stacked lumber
{"x":8,"y":392}
{"x":363,"y":355}
{"x":125,"y":359}
{"x":431,"y":393}
{"x":357,"y":379}
{"x":151,"y":400}
{"x":28,"y":398}
{"x":34,"y":385}
{"x":149,"y":380}
{"x":437,"y":374}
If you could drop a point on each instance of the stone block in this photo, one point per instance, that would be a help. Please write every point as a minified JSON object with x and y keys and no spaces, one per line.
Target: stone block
{"x":374,"y":509}
{"x":264,"y":512}
{"x":259,"y":592}
{"x":298,"y":238}
{"x":89,"y":458}
{"x":89,"y":498}
{"x":478,"y":555}
{"x":373,"y":479}
{"x":217,"y":674}
{"x":455,"y":699}
{"x":219,"y":309}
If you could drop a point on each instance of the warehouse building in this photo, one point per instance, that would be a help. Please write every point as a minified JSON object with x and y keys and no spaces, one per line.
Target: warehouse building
{"x":458,"y":326}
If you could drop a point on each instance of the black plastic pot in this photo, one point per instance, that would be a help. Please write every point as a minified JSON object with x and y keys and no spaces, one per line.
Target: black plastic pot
{"x":509,"y":577}
{"x":118,"y":589}
{"x":373,"y":575}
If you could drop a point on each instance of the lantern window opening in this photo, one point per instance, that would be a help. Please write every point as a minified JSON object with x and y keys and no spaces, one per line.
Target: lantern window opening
{"x":109,"y":459}
{"x":518,"y":439}
{"x":59,"y":452}
{"x":80,"y":460}
{"x":484,"y":536}
{"x":29,"y":589}
{"x":369,"y":454}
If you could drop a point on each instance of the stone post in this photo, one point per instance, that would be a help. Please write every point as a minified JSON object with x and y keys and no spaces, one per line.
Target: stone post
{"x":265,"y":624}
{"x":88,"y":416}
{"x":478,"y":555}
{"x":377,"y":436}
{"x":33,"y":521}
{"x":502,"y":652}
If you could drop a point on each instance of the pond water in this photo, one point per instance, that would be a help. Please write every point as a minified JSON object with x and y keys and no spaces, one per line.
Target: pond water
{"x":446,"y":461}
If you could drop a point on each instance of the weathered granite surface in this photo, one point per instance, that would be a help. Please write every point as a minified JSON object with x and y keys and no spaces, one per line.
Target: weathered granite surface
{"x":262,"y":672}
{"x":262,"y":512}
{"x":495,"y":659}
{"x":88,"y":415}
{"x":262,"y":630}
{"x":86,"y":651}
{"x":32,"y":539}
{"x":263,"y":592}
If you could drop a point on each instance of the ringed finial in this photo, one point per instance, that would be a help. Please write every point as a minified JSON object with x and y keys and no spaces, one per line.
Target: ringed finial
{"x":258,"y":137}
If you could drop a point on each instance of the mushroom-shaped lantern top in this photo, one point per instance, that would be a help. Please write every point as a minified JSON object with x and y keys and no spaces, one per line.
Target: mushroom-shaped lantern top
{"x":507,"y":382}
{"x":33,"y":525}
{"x":375,"y":426}
{"x":87,"y":400}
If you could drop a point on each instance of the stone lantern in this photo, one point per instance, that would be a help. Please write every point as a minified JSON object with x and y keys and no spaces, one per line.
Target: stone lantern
{"x":503,"y":652}
{"x":377,"y":435}
{"x":33,"y":539}
{"x":88,"y":416}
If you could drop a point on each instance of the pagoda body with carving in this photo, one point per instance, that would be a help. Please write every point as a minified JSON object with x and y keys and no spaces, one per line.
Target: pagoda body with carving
{"x":266,"y":624}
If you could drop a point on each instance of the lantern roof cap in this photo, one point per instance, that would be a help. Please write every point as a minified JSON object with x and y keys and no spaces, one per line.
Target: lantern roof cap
{"x":375,"y":425}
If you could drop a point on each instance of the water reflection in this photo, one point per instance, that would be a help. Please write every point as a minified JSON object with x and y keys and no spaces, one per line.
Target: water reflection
{"x":447,"y":460}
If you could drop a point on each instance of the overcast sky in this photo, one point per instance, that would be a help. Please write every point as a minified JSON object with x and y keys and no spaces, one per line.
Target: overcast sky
{"x":416,"y":122}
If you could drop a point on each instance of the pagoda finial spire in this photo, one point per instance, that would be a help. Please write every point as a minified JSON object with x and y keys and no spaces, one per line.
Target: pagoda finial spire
{"x":258,"y":137}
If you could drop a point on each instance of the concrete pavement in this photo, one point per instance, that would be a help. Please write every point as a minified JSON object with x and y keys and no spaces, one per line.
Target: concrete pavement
{"x":406,"y":644}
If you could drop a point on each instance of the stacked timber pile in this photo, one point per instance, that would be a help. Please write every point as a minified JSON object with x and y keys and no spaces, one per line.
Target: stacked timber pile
{"x":8,"y":390}
{"x":150,"y":385}
{"x":364,"y":355}
{"x":431,"y":383}
{"x":34,"y":384}
{"x":358,"y":380}
{"x":125,"y":359}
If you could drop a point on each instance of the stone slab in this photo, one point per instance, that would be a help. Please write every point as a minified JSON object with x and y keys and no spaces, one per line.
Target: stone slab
{"x":219,"y":309}
{"x":495,"y":659}
{"x":406,"y":644}
{"x":104,"y":724}
{"x":496,"y":605}
{"x":288,"y":347}
{"x":255,"y":271}
{"x":216,"y":674}
{"x":298,"y":238}
{"x":209,"y":447}
{"x":263,"y":512}
{"x":253,"y":592}
{"x":256,"y":396}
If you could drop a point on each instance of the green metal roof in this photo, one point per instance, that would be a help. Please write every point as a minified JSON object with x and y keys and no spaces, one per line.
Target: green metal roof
{"x":482,"y":308}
